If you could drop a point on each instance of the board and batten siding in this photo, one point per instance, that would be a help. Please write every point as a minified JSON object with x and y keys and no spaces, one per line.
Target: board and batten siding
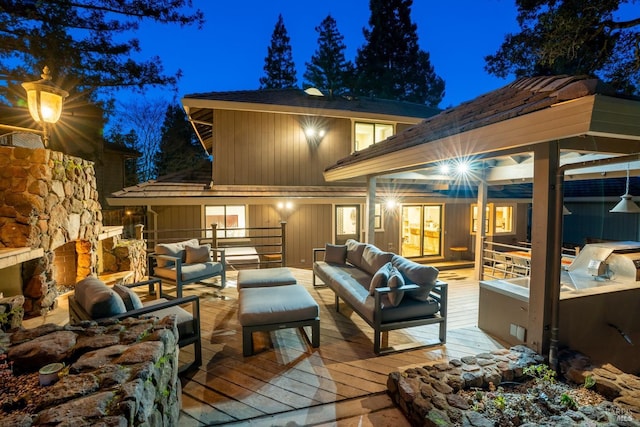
{"x":273,"y":149}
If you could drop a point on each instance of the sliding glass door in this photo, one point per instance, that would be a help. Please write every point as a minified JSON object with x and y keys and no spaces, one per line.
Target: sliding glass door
{"x":421,"y":230}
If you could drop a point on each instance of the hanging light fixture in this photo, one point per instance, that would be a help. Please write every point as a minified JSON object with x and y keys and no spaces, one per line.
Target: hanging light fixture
{"x":626,"y":205}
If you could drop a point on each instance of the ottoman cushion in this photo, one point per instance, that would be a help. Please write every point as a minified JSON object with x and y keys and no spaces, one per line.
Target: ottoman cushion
{"x":281,"y":304}
{"x":265,"y":278}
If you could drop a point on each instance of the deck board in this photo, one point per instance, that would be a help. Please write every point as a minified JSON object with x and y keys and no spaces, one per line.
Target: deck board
{"x":287,"y":382}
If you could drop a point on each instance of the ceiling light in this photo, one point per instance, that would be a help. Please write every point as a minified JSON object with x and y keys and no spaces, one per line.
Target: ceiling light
{"x":626,"y":205}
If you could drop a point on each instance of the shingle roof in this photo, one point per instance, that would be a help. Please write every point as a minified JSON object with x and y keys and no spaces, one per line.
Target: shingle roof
{"x":299,"y":99}
{"x":521,"y":97}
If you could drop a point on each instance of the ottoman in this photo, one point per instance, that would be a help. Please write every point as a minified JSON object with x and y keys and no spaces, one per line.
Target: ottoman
{"x":265,"y":278}
{"x":277,"y":307}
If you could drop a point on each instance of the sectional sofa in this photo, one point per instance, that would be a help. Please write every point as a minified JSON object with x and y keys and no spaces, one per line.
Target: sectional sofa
{"x":388,"y":291}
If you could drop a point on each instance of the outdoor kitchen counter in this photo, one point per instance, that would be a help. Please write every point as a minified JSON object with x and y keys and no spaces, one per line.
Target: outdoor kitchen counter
{"x":601,"y":321}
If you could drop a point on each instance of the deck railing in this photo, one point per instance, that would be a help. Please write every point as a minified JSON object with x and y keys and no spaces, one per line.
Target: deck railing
{"x":249,"y":247}
{"x":501,"y":260}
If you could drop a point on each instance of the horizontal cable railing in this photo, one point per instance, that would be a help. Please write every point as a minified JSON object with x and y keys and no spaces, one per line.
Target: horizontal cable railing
{"x":248,"y":247}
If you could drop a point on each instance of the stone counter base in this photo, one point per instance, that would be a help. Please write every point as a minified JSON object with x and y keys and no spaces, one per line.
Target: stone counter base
{"x":428,"y":395}
{"x":119,"y":374}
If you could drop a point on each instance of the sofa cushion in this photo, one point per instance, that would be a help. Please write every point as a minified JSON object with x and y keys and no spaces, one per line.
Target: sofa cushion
{"x":129,"y":297}
{"x":373,"y":258}
{"x":97,"y":299}
{"x":424,"y":276}
{"x":354,"y":252}
{"x":189,"y":271}
{"x":396,"y":282}
{"x":184,"y":319}
{"x":173,"y":249}
{"x":381,"y":278}
{"x":197,"y":254}
{"x":336,"y":254}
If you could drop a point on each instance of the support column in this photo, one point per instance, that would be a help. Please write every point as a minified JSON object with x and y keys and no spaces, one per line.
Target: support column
{"x":480,"y":232}
{"x":369,"y":211}
{"x":543,"y":230}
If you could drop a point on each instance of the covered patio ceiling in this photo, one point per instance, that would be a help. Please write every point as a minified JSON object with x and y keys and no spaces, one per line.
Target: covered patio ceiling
{"x":497,"y":133}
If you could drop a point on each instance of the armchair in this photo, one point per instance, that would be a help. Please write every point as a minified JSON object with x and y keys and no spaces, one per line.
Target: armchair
{"x":186,"y":262}
{"x":94,"y":300}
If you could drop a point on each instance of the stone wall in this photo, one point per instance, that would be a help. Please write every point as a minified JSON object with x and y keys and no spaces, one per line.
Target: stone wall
{"x":119,"y":373}
{"x":47,"y":199}
{"x":125,"y":255}
{"x":429,"y":395}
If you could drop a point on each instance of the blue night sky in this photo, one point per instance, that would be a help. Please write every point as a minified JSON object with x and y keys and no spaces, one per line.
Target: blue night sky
{"x":228,"y":52}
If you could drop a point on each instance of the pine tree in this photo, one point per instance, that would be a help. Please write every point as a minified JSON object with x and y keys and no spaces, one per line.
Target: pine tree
{"x":573,"y":37}
{"x":179,"y":148}
{"x":391,"y":65}
{"x":278,"y":64}
{"x":328,"y":69}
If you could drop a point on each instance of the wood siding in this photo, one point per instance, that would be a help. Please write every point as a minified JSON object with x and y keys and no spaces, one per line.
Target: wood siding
{"x":253,"y":148}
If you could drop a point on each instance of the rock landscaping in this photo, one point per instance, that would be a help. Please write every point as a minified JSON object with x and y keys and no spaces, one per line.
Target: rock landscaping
{"x":514,"y":387}
{"x":116,"y":374}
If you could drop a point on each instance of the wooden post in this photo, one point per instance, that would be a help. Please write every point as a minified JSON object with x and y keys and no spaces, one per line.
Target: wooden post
{"x":543,"y":230}
{"x":214,"y":235}
{"x":480,"y":231}
{"x":283,"y":233}
{"x":139,"y":228}
{"x":370,"y":210}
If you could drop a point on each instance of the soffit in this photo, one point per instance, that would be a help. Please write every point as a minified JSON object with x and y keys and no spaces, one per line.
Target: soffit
{"x":502,"y":128}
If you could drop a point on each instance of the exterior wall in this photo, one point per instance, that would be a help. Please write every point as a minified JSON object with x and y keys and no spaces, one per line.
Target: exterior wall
{"x":271,"y":149}
{"x":593,"y":221}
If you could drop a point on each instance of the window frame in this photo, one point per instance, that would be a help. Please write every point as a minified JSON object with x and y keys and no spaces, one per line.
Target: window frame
{"x":491,"y":218}
{"x":226,"y":233}
{"x":373,"y":124}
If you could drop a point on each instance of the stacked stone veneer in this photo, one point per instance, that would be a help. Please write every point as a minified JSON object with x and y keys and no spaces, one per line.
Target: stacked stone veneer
{"x":428,"y":395}
{"x":120,"y":373}
{"x":47,"y":199}
{"x":125,"y":255}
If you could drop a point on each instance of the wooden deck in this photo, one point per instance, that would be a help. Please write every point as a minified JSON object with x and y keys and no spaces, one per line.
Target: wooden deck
{"x":286,"y":382}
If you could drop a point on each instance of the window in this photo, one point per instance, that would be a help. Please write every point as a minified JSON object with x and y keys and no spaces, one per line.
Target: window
{"x":230,"y":220}
{"x":377,"y":217}
{"x":367,"y":134}
{"x":498,"y":219}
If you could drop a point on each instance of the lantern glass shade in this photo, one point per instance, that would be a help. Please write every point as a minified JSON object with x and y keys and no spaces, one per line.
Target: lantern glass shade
{"x":44,"y":99}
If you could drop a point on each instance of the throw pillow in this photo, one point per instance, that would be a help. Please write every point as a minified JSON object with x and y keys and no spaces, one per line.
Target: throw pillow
{"x":354,"y":252}
{"x":198,"y":254}
{"x":373,"y":258}
{"x":97,"y":299}
{"x":424,"y":276}
{"x":380,"y":278}
{"x":396,"y":282}
{"x":129,"y":297}
{"x":336,"y":254}
{"x":173,"y":249}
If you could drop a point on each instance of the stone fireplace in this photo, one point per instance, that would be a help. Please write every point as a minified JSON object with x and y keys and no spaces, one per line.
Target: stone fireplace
{"x":48,"y":207}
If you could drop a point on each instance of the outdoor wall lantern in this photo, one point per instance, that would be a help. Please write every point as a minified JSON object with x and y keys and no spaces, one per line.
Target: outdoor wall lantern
{"x":285,"y":209}
{"x":626,"y":205}
{"x":314,"y":129}
{"x":45,"y":101}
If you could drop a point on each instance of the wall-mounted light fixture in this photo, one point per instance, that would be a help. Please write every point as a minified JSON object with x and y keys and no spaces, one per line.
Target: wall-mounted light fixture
{"x":314,"y":129}
{"x":45,"y":102}
{"x":285,"y":208}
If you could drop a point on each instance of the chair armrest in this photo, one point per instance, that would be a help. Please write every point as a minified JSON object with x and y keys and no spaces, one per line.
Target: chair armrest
{"x":405,"y":287}
{"x":193,"y":299}
{"x":316,"y":251}
{"x":219,"y":255}
{"x":150,"y":282}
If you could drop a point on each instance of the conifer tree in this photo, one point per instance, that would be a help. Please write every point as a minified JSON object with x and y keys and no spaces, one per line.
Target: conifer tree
{"x":573,"y":37}
{"x":280,"y":71}
{"x":179,"y":149}
{"x":391,"y":65}
{"x":328,"y":69}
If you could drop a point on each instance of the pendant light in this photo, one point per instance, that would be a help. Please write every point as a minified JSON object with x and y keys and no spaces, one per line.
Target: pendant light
{"x":626,"y":205}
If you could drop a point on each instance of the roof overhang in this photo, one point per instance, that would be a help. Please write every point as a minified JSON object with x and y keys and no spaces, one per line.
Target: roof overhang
{"x":600,"y":124}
